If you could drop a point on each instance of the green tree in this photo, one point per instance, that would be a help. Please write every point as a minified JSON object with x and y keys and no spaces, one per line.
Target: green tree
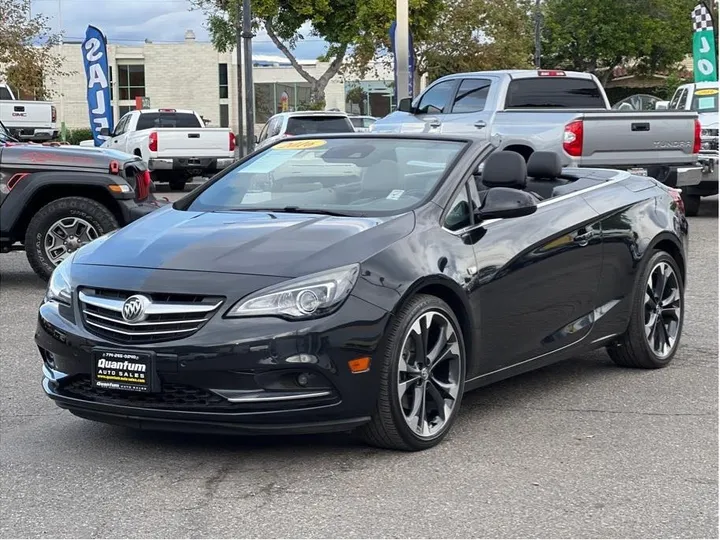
{"x":646,"y":36}
{"x":360,"y":26}
{"x":27,"y":58}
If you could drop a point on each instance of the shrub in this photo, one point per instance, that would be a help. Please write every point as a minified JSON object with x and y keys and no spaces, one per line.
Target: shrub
{"x":77,"y":135}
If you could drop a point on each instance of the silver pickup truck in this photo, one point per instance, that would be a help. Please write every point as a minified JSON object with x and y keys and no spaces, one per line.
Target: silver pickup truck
{"x":560,"y":111}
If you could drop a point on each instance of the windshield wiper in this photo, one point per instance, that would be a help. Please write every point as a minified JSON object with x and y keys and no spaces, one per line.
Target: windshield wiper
{"x":295,"y":210}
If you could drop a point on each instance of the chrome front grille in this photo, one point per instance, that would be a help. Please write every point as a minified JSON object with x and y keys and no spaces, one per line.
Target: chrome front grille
{"x":165,"y":316}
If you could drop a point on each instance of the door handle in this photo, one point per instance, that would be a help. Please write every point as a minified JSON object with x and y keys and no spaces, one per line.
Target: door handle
{"x":583,"y":238}
{"x":434,"y":122}
{"x":480,"y":124}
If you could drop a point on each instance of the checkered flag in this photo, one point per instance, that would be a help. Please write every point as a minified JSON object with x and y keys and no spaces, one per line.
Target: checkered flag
{"x":702,"y":20}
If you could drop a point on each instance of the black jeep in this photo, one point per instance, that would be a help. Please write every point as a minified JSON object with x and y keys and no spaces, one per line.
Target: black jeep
{"x":53,"y":200}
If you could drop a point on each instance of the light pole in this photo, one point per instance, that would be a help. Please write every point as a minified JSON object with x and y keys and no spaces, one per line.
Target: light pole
{"x":538,"y":28}
{"x":249,"y":87}
{"x":402,"y":49}
{"x":238,"y":67}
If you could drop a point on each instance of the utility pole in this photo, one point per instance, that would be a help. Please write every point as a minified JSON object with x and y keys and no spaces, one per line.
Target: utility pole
{"x":249,"y":86}
{"x":538,"y":27}
{"x":402,"y":49}
{"x":238,"y":67}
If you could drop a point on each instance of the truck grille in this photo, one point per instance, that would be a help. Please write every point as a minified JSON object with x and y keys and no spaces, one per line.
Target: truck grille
{"x":165,"y":316}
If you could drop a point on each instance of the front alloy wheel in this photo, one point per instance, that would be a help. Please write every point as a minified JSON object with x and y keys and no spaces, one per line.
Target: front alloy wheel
{"x":422,"y":377}
{"x":429,"y":374}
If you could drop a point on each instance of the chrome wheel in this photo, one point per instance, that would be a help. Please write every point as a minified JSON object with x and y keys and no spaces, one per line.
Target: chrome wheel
{"x":663,"y":310}
{"x":429,"y":372}
{"x":66,"y":236}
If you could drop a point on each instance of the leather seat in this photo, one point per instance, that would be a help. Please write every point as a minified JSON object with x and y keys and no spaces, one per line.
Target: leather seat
{"x":506,"y":169}
{"x":544,"y":171}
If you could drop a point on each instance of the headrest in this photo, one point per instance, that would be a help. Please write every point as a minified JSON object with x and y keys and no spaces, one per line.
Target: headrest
{"x":505,"y":169}
{"x":380,"y":176}
{"x":544,"y":165}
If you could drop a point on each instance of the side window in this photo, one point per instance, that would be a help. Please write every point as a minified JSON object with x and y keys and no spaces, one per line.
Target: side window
{"x":683,"y":100}
{"x":122,"y":125}
{"x":471,"y":96}
{"x":436,"y":98}
{"x":675,"y":98}
{"x":275,"y":125}
{"x":264,"y":132}
{"x":460,"y":214}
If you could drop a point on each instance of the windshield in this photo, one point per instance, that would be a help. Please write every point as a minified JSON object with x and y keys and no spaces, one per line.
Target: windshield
{"x":344,"y":176}
{"x":705,"y":100}
{"x":310,"y":125}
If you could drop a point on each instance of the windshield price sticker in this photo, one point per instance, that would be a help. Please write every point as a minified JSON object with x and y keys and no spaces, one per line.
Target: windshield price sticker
{"x":299,"y":145}
{"x":707,"y":92}
{"x":395,"y":194}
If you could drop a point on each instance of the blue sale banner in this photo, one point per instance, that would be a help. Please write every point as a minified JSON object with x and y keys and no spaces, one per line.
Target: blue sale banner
{"x":95,"y":59}
{"x":411,"y":62}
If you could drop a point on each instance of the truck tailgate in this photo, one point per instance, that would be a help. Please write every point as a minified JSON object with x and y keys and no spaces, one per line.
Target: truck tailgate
{"x":632,"y":138}
{"x":26,"y":114}
{"x":193,"y":143}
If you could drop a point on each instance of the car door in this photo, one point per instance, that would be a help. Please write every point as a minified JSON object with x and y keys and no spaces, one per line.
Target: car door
{"x":537,"y":279}
{"x":470,"y":112}
{"x":118,"y":139}
{"x":433,"y":106}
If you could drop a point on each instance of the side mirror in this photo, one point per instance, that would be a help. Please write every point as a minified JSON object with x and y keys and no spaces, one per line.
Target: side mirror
{"x":405,"y":105}
{"x":105,"y":132}
{"x":503,"y":202}
{"x":662,"y":105}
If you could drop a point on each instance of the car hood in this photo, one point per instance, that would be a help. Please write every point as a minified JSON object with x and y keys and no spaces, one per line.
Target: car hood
{"x":278,"y":244}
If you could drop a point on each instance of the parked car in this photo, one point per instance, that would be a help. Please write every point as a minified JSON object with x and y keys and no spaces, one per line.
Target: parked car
{"x":370,"y":299}
{"x":291,"y":124}
{"x":362,"y":123}
{"x":175,"y":144}
{"x":27,"y":120}
{"x":53,"y":200}
{"x":552,"y":110}
{"x":703,"y":99}
{"x":637,"y":102}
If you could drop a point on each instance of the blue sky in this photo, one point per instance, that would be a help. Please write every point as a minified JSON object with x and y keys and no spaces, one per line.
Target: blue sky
{"x":125,"y":21}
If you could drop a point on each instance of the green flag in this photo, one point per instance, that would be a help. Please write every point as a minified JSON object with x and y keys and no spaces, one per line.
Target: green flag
{"x":704,"y":53}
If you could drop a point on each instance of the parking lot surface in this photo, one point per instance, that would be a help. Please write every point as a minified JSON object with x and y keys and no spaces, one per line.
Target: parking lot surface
{"x":579,"y":449}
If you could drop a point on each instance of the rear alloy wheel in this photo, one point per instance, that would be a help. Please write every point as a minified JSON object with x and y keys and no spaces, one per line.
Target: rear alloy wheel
{"x":422,"y":379}
{"x":62,"y":227}
{"x":656,"y":322}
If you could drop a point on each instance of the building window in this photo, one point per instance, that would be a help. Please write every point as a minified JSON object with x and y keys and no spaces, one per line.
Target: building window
{"x":124,"y":109}
{"x":273,"y":98}
{"x":223,"y":81}
{"x":224,"y":116}
{"x":131,"y":82}
{"x":110,"y":83}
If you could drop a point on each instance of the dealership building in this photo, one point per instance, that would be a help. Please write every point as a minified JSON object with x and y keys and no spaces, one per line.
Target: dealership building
{"x":193,"y":75}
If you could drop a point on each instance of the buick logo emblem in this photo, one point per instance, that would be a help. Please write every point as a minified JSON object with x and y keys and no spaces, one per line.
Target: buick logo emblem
{"x":133,"y":309}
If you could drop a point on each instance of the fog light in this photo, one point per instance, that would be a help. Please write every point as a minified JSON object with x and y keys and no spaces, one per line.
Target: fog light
{"x":302,"y":359}
{"x":303,"y":379}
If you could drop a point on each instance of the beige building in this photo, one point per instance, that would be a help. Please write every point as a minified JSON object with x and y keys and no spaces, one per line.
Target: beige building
{"x":193,"y":75}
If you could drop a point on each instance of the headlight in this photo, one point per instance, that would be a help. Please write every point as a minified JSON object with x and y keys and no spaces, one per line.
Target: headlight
{"x":303,"y":298}
{"x":58,"y":289}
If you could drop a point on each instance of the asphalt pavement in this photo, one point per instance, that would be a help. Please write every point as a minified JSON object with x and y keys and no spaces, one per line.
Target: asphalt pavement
{"x":581,"y":449}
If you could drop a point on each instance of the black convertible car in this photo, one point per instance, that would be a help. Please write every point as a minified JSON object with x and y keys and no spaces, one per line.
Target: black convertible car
{"x":362,"y":282}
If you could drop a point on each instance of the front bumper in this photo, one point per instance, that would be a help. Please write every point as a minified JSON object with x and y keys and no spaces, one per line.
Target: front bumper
{"x":230,"y":376}
{"x":195,"y":165}
{"x":132,"y":210}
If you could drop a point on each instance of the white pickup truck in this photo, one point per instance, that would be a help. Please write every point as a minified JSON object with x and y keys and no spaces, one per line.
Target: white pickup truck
{"x":27,"y":120}
{"x":175,"y":144}
{"x":701,"y":98}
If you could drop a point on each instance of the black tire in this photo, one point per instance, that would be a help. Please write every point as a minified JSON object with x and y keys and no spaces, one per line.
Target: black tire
{"x":89,"y":210}
{"x":388,"y":428}
{"x":691,"y":203}
{"x":178,"y":184}
{"x":632,"y":348}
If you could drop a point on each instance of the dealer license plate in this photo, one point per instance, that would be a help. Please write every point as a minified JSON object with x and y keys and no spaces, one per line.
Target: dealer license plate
{"x":638,"y":172}
{"x":123,"y":370}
